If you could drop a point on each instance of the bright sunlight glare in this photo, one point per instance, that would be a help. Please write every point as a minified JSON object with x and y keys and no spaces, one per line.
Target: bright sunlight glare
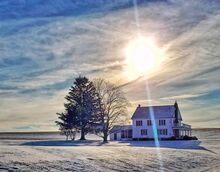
{"x":143,"y":56}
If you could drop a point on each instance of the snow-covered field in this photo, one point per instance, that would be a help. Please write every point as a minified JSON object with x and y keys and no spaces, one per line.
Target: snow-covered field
{"x":48,"y":152}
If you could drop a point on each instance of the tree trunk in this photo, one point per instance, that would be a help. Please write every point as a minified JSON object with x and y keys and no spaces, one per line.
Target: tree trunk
{"x":105,"y":137}
{"x":82,"y":134}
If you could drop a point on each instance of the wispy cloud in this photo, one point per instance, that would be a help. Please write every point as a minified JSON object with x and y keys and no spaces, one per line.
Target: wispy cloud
{"x":184,"y":96}
{"x":41,"y":51}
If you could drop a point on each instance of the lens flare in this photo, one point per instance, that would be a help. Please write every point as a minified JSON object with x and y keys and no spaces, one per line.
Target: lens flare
{"x":143,"y":56}
{"x":154,"y":127}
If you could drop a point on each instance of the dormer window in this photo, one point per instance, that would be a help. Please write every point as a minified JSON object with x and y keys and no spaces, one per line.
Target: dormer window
{"x":139,"y":123}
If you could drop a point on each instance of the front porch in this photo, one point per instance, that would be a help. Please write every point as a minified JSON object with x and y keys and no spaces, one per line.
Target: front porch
{"x":181,"y":130}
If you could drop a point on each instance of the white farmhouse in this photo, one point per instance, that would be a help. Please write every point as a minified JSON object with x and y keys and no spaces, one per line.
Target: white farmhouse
{"x":167,"y":120}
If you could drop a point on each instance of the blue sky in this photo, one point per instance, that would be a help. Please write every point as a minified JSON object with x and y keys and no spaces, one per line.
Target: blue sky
{"x":44,"y":44}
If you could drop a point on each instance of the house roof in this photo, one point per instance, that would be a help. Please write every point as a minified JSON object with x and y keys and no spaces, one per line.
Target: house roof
{"x":166,"y":111}
{"x":118,"y":128}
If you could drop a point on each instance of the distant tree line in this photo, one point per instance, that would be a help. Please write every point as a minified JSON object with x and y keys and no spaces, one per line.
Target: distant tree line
{"x":92,"y":106}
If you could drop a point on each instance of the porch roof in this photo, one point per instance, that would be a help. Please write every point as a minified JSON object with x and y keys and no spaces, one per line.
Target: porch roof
{"x":182,"y":126}
{"x":118,"y":128}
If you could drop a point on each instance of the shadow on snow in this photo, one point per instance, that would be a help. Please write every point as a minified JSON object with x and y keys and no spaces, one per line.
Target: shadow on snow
{"x":178,"y":144}
{"x":189,"y":144}
{"x":64,"y":143}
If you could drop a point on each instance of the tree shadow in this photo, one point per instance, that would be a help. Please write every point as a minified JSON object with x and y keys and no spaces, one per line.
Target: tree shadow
{"x":180,"y":144}
{"x":64,"y":143}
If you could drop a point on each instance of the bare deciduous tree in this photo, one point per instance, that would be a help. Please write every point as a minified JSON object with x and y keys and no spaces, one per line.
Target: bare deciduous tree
{"x":112,"y":106}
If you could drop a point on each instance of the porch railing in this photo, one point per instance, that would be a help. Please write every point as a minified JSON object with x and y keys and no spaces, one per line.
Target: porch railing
{"x":182,"y":125}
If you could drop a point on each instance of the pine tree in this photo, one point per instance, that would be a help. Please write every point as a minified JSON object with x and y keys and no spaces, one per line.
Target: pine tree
{"x":67,"y":124}
{"x":83,"y":97}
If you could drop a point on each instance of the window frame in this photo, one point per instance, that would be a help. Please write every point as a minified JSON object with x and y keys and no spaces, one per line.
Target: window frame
{"x":143,"y":132}
{"x":162,"y":122}
{"x":163,"y":132}
{"x":149,"y":122}
{"x":126,"y":133}
{"x":139,"y":123}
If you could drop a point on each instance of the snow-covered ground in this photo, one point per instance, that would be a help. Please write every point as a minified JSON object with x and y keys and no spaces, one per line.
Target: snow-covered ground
{"x":49,"y":152}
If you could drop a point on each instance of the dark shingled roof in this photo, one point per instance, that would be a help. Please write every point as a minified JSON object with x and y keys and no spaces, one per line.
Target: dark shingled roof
{"x":167,"y":111}
{"x":118,"y":128}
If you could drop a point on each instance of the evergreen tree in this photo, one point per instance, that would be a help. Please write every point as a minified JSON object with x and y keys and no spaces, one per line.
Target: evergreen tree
{"x":82,"y":101}
{"x":67,"y":124}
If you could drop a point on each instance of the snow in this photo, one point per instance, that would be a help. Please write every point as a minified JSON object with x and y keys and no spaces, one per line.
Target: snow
{"x":39,"y":153}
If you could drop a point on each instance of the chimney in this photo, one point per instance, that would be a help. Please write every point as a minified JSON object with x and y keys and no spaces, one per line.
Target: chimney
{"x":176,"y":111}
{"x":139,"y":105}
{"x":175,"y":104}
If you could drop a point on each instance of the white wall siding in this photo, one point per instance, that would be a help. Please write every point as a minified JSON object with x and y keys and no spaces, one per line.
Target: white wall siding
{"x":150,"y":134}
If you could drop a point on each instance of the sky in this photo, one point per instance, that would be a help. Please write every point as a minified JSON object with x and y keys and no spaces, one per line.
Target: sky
{"x":45,"y":44}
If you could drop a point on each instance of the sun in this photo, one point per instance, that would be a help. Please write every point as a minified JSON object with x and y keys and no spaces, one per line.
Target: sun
{"x":143,"y":57}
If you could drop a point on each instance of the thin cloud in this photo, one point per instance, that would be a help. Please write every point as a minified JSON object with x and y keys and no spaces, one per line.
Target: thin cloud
{"x":43,"y":50}
{"x":184,"y":96}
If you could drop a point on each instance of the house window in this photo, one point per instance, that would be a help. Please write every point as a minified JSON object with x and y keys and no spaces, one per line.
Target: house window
{"x":158,"y":132}
{"x":126,"y":133}
{"x":144,"y":132}
{"x":162,"y":122}
{"x":123,"y":134}
{"x":129,"y":133}
{"x":162,"y":131}
{"x":149,"y":122}
{"x":138,"y":123}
